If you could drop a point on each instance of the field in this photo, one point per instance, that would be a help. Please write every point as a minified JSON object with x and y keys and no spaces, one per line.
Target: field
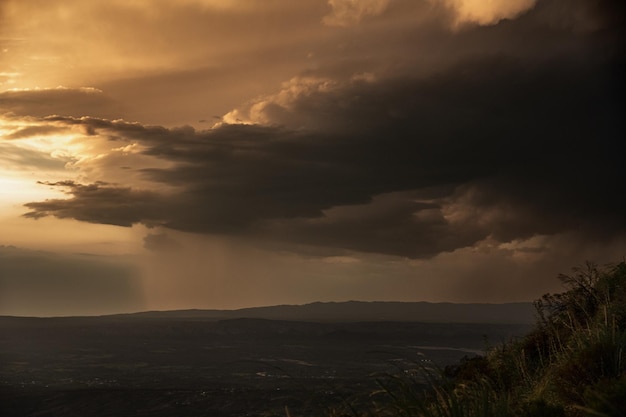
{"x":137,"y":366}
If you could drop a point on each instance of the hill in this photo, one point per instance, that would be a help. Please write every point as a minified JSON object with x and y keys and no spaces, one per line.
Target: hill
{"x":571,"y":364}
{"x":355,"y":311}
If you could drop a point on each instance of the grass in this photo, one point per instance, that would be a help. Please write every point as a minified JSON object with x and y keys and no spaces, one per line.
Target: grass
{"x":572,"y":364}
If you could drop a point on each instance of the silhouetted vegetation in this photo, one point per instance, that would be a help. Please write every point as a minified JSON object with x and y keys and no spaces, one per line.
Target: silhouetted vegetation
{"x":571,"y":364}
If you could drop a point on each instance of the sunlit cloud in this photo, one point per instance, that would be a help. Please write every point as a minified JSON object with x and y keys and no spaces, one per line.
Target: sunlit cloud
{"x":488,"y":12}
{"x":267,"y":110}
{"x":351,"y":12}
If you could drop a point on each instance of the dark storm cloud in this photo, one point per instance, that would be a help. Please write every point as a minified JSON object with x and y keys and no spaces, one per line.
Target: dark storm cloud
{"x":103,"y":203}
{"x":497,"y":144}
{"x":395,"y":223}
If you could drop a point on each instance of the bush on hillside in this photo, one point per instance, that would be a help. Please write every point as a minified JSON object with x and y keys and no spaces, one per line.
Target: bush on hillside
{"x":572,"y":364}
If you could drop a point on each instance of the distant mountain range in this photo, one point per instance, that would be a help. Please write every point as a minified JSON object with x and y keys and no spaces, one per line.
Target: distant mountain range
{"x":356,"y":311}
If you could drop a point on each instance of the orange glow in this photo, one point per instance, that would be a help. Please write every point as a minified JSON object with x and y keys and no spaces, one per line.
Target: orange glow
{"x":488,"y":12}
{"x":14,"y":190}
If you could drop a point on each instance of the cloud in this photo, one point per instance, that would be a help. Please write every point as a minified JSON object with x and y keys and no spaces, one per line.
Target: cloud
{"x":351,"y":12}
{"x":103,"y":203}
{"x":271,"y":109}
{"x":55,"y":46}
{"x":403,"y":224}
{"x":7,"y":78}
{"x":24,"y":159}
{"x":208,"y":4}
{"x":504,"y":143}
{"x":23,"y":132}
{"x":509,"y":177}
{"x":489,"y":12}
{"x":64,"y":101}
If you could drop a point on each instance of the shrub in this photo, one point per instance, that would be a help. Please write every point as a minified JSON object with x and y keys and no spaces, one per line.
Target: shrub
{"x":571,"y":364}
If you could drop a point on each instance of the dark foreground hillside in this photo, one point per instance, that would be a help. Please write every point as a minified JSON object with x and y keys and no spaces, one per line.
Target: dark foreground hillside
{"x":138,"y":366}
{"x":572,"y":364}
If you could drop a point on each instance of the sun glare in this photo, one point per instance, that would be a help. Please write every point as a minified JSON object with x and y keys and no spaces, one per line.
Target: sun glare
{"x":28,"y":154}
{"x":15,"y":191}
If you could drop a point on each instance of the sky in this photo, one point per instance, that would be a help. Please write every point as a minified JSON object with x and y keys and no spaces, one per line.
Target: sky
{"x":223,"y":154}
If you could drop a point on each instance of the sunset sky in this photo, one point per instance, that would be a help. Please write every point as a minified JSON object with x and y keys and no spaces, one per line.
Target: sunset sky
{"x":161,"y":154}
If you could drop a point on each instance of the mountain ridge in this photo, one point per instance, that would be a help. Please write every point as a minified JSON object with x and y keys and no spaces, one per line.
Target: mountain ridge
{"x":351,"y":311}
